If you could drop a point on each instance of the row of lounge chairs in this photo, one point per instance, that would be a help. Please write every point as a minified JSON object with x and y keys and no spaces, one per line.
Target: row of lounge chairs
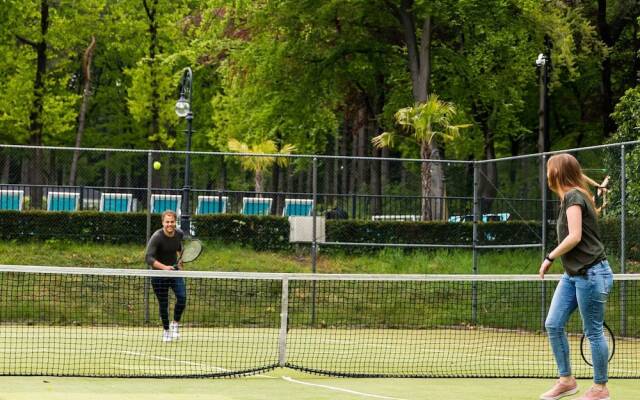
{"x":124,"y":202}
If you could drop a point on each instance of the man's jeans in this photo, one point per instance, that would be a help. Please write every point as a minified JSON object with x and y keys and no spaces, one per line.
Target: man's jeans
{"x":161,"y":288}
{"x":589,"y":294}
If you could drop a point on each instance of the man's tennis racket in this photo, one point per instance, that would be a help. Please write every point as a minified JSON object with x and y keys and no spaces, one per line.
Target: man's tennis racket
{"x":191,"y":249}
{"x":585,"y":346}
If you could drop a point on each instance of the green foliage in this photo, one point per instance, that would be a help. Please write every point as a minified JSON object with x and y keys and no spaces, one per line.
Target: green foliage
{"x":85,"y":226}
{"x":258,"y":232}
{"x":430,"y":232}
{"x":293,"y":71}
{"x":627,"y":117}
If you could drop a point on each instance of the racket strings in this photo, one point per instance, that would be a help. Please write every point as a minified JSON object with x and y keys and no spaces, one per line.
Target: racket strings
{"x":191,"y":250}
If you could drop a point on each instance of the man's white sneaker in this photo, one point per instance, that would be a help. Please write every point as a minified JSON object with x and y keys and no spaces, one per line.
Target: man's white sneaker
{"x":175,"y":330}
{"x":166,"y":336}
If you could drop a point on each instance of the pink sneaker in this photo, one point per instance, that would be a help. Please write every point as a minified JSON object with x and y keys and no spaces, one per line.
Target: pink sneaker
{"x":596,"y":394}
{"x":560,"y":390}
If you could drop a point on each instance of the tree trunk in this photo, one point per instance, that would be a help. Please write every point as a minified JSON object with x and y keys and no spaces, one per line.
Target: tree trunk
{"x":353,"y":164}
{"x":86,"y":94}
{"x":6,"y":169}
{"x":488,"y":184}
{"x":362,"y":136}
{"x":419,"y":59}
{"x":605,"y":70}
{"x":258,"y":180}
{"x":107,"y":173}
{"x":419,"y":53}
{"x":425,"y":175}
{"x":344,"y":151}
{"x":154,"y":125}
{"x":336,"y":167}
{"x":327,"y":179}
{"x":437,"y":185}
{"x":376,"y":189}
{"x":488,"y":179}
{"x":223,"y":174}
{"x":37,"y":105}
{"x":300,"y":183}
{"x":275,"y":175}
{"x":385,"y":172}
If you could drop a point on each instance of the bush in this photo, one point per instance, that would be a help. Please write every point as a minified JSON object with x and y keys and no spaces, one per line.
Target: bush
{"x":272,"y":233}
{"x":89,"y":226}
{"x":260,"y":232}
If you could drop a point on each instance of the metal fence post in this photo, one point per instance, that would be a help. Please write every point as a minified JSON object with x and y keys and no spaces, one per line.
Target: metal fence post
{"x":314,"y":241}
{"x":543,"y":227}
{"x":623,"y":230}
{"x":476,"y":207}
{"x":147,"y":280}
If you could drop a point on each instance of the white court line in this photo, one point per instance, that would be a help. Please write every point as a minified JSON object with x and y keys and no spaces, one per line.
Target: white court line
{"x":190,"y":363}
{"x":288,"y":379}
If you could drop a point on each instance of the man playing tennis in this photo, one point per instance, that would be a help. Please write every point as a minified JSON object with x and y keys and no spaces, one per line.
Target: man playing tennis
{"x":162,"y":252}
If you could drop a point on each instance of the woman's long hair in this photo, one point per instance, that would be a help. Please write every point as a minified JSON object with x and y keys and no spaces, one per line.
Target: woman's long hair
{"x":563,"y":172}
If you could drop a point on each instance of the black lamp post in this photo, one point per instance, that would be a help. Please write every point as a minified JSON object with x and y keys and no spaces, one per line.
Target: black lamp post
{"x":543,"y":63}
{"x":183,"y":110}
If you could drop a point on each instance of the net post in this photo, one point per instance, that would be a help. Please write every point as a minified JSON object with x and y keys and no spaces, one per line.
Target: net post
{"x":476,"y":207}
{"x":623,"y":239}
{"x":284,"y":317}
{"x":543,"y":227}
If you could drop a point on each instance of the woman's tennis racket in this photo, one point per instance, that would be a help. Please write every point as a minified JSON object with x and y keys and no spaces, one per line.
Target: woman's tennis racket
{"x":191,"y":249}
{"x":585,"y":346}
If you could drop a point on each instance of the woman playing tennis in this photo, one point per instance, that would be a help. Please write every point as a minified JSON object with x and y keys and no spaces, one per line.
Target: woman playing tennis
{"x":586,"y":281}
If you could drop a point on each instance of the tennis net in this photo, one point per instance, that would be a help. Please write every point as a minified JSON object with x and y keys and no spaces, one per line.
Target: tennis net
{"x":105,"y":322}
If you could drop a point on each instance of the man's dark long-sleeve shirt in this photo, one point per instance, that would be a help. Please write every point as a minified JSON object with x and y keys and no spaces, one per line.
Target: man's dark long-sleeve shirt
{"x":164,"y":248}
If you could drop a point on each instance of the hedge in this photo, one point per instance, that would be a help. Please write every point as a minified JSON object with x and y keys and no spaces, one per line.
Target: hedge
{"x":272,"y":233}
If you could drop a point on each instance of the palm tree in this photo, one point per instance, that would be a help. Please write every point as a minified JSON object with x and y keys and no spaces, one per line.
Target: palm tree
{"x":428,"y":121}
{"x":259,"y":164}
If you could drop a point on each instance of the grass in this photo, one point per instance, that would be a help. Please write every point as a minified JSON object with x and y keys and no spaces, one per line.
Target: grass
{"x":222,"y":257}
{"x":287,"y":384}
{"x":233,"y":257}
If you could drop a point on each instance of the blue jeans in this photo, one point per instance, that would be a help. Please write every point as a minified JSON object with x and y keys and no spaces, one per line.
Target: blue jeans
{"x":161,"y":289}
{"x":589,"y":294}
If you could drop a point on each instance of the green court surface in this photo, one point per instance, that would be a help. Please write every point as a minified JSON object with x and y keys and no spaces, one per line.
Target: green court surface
{"x":32,"y":349}
{"x":285,"y":384}
{"x":122,"y":352}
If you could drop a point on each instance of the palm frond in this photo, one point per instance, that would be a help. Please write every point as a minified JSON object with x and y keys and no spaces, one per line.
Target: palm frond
{"x":385,"y":139}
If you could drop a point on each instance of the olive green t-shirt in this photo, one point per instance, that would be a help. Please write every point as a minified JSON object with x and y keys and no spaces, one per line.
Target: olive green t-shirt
{"x":590,"y":249}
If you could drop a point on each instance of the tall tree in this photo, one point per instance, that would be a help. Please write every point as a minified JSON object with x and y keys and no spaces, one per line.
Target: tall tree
{"x":86,"y":94}
{"x":426,"y":121}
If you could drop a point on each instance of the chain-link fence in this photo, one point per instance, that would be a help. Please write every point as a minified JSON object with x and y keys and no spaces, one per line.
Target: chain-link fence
{"x":380,"y":194}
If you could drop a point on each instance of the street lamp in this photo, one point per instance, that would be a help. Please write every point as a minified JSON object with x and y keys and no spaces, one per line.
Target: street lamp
{"x":183,"y":110}
{"x":543,"y":63}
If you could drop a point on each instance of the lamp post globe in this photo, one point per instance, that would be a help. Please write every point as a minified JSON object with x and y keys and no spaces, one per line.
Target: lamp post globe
{"x":182,"y":107}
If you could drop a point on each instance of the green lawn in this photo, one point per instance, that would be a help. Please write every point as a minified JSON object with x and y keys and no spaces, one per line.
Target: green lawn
{"x":220,"y":257}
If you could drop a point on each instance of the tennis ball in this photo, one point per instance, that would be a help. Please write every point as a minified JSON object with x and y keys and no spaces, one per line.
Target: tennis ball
{"x":156,"y":165}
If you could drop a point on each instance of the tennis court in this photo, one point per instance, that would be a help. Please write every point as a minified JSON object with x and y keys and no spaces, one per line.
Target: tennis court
{"x":36,"y":350}
{"x":334,"y":334}
{"x":287,"y":384}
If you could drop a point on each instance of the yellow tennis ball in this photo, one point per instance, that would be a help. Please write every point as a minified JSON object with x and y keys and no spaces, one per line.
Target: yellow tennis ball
{"x":156,"y":165}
